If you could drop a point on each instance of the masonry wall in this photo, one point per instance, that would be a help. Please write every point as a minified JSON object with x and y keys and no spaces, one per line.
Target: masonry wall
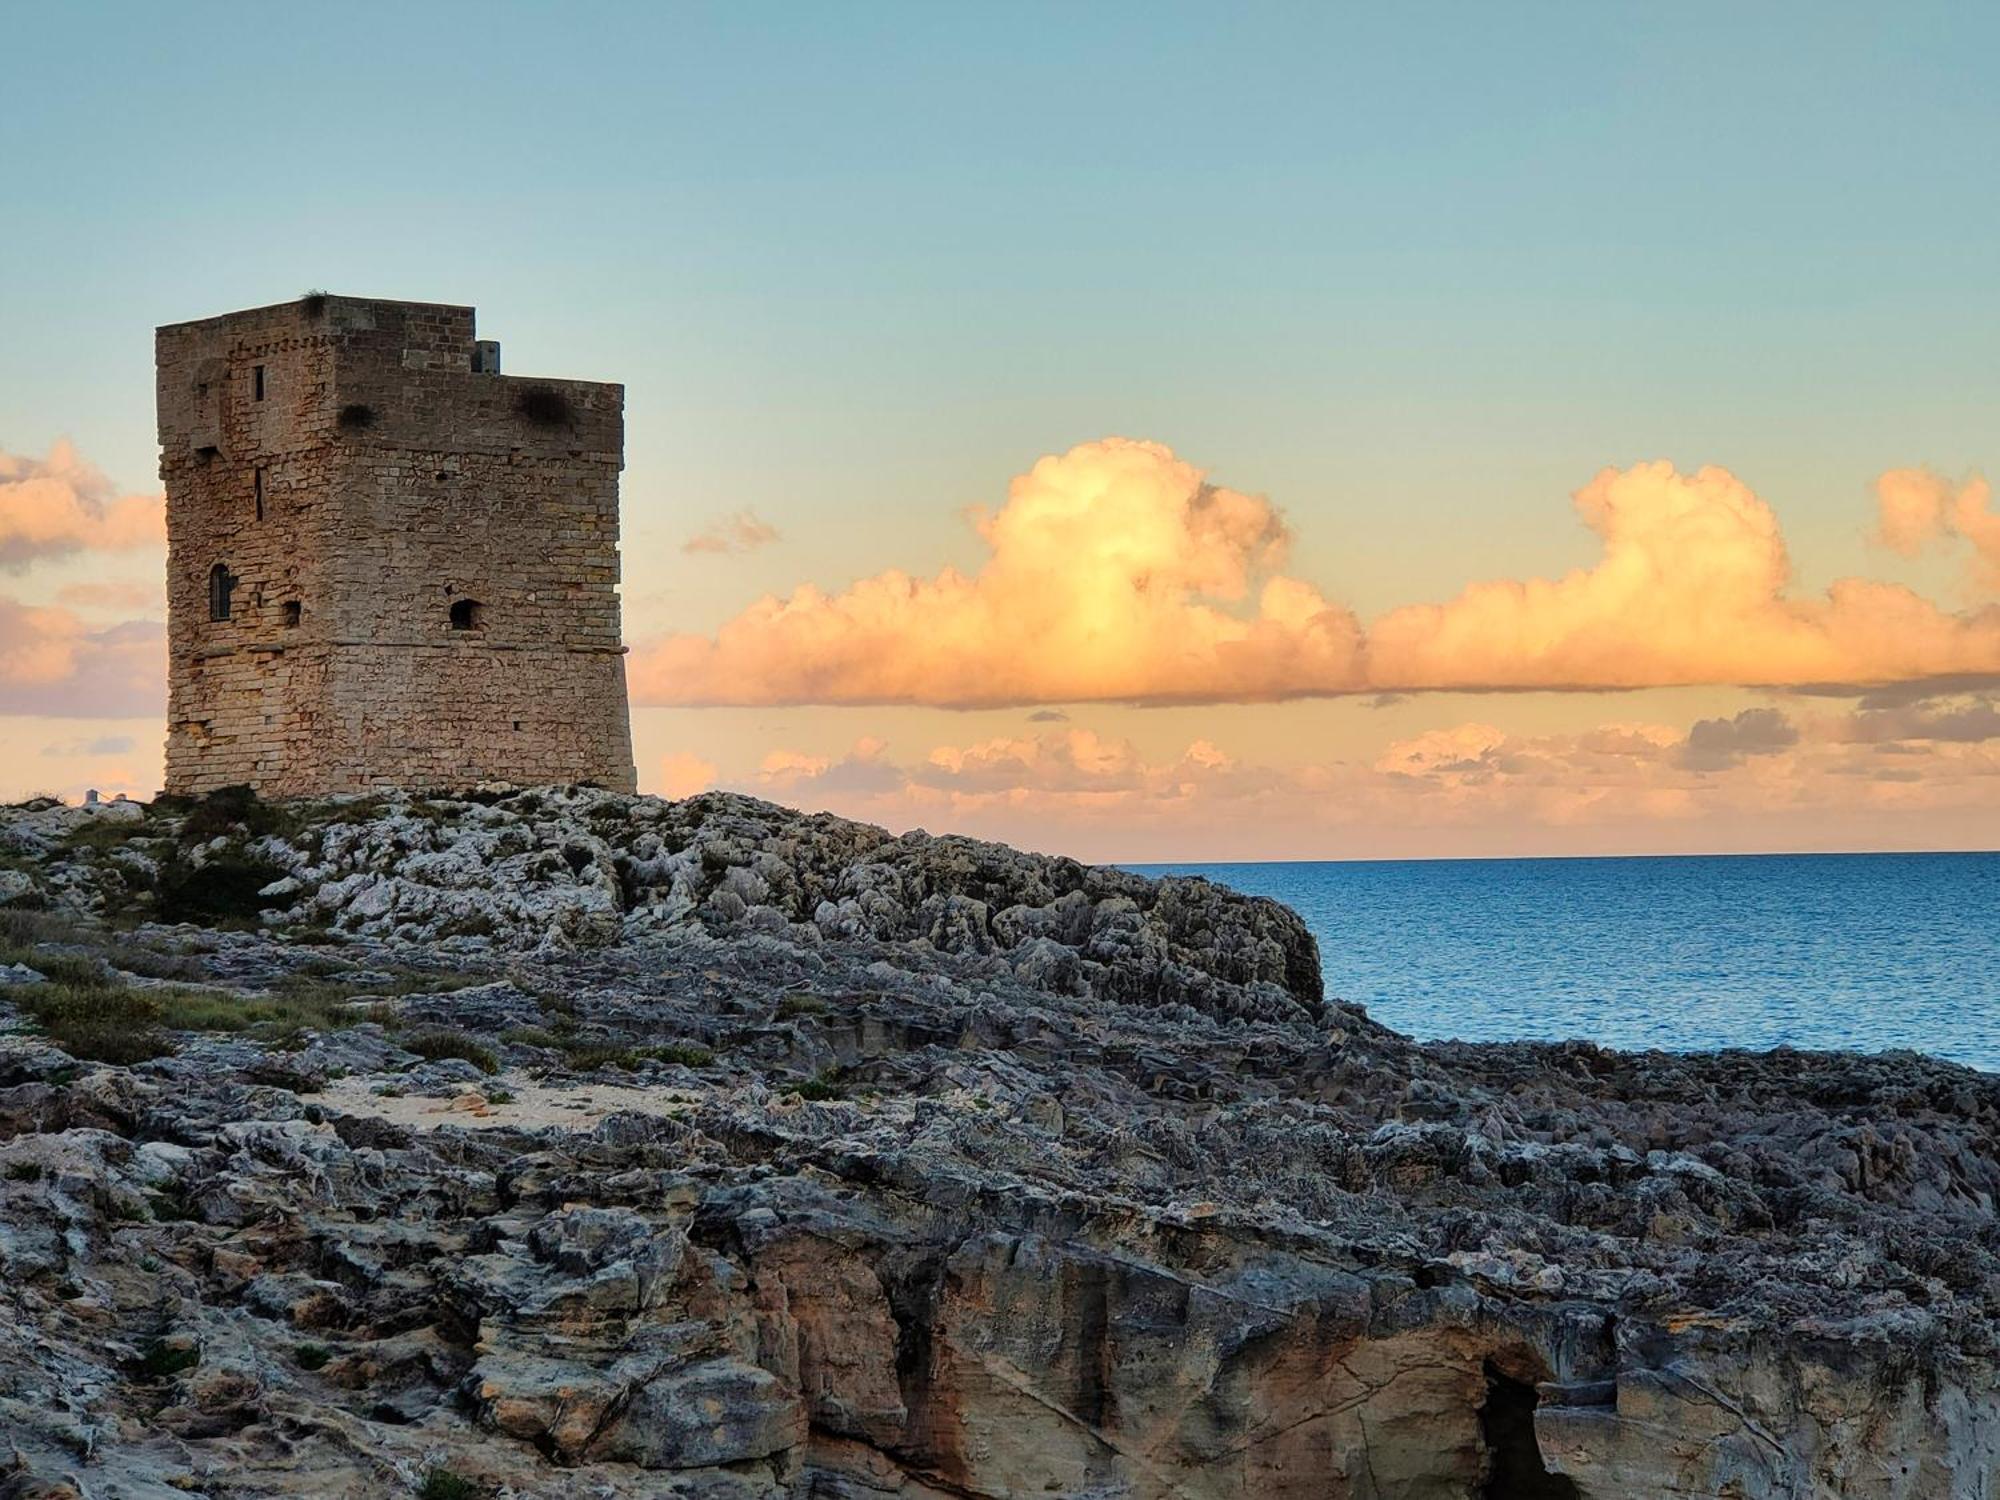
{"x":397,"y":483}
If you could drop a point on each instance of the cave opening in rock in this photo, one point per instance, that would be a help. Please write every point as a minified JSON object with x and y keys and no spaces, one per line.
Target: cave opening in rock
{"x":1507,"y":1423}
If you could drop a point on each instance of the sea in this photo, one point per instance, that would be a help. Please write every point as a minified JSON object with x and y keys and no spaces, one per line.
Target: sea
{"x":1858,"y":951}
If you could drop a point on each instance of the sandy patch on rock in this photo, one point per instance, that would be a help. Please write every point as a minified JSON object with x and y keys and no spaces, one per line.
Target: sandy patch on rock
{"x":533,"y":1106}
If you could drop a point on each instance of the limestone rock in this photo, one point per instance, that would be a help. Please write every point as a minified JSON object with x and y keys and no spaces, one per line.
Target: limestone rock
{"x":821,"y":1163}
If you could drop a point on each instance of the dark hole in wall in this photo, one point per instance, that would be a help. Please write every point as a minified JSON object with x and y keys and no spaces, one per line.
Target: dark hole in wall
{"x":545,"y":407}
{"x":1507,"y":1423}
{"x":355,"y":417}
{"x":467,"y":614}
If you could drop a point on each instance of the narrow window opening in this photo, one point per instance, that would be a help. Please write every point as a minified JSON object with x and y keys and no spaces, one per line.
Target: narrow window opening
{"x":221,"y":583}
{"x":467,"y":614}
{"x":294,"y":612}
{"x":257,"y":383}
{"x":259,"y":487}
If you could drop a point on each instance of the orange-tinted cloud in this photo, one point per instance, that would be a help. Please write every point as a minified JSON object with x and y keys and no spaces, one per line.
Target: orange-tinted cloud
{"x":56,"y":506}
{"x":1118,"y":573}
{"x":1918,"y":506}
{"x":51,"y":662}
{"x":121,"y":598}
{"x":741,"y":532}
{"x":1691,"y":589}
{"x":1758,"y":777}
{"x":682,"y":775}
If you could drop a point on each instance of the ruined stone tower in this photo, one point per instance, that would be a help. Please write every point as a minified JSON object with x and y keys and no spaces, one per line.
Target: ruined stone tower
{"x":388,"y":564}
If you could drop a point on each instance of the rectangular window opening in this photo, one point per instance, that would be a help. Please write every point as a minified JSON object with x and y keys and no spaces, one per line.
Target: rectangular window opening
{"x":293,"y":613}
{"x":257,"y":383}
{"x":259,"y":486}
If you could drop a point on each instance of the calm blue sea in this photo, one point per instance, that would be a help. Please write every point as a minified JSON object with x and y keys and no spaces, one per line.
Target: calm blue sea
{"x":1865,"y":951}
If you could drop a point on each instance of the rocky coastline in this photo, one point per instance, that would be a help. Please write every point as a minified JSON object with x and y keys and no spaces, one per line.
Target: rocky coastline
{"x":571,"y":1143}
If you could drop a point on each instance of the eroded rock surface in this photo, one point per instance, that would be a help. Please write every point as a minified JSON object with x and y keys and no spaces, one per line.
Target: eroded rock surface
{"x":820,"y":1163}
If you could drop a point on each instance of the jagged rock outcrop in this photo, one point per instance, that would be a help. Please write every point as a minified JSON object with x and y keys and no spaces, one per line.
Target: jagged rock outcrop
{"x":819,"y":1163}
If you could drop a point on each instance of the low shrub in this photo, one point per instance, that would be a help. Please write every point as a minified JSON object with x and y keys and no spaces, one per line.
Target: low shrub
{"x":96,"y":1020}
{"x":443,"y":1484}
{"x":226,"y":888}
{"x":229,"y":808}
{"x":687,"y":1054}
{"x":436,"y":1043}
{"x":586,"y":1056}
{"x":800,"y":1005}
{"x":102,"y":835}
{"x":312,"y":1356}
{"x":159,"y":1359}
{"x":820,"y":1089}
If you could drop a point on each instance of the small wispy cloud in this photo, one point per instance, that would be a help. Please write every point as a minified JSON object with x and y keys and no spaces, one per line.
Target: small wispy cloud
{"x":111,"y":744}
{"x":744,"y":531}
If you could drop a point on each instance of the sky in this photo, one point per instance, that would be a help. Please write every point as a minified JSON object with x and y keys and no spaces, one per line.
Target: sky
{"x":1145,"y":432}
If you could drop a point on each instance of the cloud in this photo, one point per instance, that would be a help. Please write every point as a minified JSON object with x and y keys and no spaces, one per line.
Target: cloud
{"x":1108,"y":571}
{"x":1117,"y":572}
{"x":1755,"y":779}
{"x":120,"y":598}
{"x":57,"y":506}
{"x":1691,"y":590}
{"x":741,"y":532}
{"x":682,"y":775}
{"x":110,"y":744}
{"x":1048,"y":716}
{"x":1917,"y":506}
{"x":1713,"y":744}
{"x":51,"y":662}
{"x":1962,"y":718}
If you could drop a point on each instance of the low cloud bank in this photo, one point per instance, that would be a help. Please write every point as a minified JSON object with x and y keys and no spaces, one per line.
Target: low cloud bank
{"x":1830,"y":776}
{"x":1117,"y":572}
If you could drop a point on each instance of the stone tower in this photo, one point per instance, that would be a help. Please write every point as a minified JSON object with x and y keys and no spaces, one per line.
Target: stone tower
{"x":387,"y":563}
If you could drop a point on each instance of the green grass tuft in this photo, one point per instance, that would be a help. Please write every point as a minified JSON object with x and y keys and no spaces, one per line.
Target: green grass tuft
{"x":435,"y":1043}
{"x":687,"y":1054}
{"x":821,"y":1089}
{"x":443,"y":1484}
{"x":159,"y":1360}
{"x":97,"y":1020}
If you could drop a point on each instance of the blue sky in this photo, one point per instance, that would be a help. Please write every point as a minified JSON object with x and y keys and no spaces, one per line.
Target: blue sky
{"x":1415,"y":272}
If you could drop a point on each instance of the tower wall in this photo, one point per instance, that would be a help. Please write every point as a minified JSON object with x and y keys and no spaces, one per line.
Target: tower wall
{"x":448,"y":539}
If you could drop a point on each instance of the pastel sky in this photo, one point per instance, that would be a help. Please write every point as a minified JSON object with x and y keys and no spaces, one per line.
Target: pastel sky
{"x":1139,"y":431}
